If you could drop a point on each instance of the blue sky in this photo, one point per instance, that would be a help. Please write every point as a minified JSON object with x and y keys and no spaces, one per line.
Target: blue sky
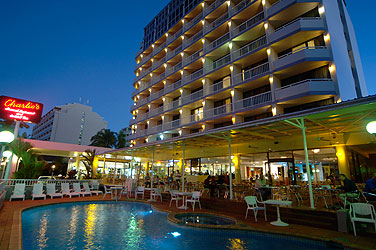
{"x":57,"y":52}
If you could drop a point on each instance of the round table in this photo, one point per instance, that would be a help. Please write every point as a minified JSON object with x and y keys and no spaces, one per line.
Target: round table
{"x":114,"y":191}
{"x":184,"y":194}
{"x":278,"y":203}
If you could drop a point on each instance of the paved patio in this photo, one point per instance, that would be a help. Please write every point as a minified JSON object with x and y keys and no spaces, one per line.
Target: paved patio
{"x":11,"y":233}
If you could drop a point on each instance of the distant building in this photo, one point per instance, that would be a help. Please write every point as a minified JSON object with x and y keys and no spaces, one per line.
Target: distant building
{"x":128,"y":133}
{"x":71,"y":123}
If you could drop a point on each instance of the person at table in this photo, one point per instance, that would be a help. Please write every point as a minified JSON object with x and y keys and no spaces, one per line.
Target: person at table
{"x":212,"y":186}
{"x":156,"y":181}
{"x":170,"y":179}
{"x":227,"y":179}
{"x":177,"y":176}
{"x":349,"y":188}
{"x":147,"y":180}
{"x":260,"y":185}
{"x":370,"y":188}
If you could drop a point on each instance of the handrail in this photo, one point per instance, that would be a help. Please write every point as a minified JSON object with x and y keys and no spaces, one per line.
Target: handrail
{"x":224,"y":109}
{"x":253,"y":100}
{"x":192,"y":57}
{"x":249,"y":23}
{"x":248,"y":48}
{"x":213,"y":6}
{"x":241,"y":5}
{"x":255,"y":71}
{"x":301,"y":49}
{"x":193,"y":21}
{"x":217,"y":42}
{"x":297,"y":20}
{"x":193,"y":96}
{"x":305,"y":81}
{"x":216,"y":22}
{"x":30,"y":182}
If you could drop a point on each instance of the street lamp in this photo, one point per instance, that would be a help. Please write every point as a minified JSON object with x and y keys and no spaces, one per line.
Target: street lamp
{"x":53,"y":168}
{"x":371,"y":127}
{"x":5,"y":137}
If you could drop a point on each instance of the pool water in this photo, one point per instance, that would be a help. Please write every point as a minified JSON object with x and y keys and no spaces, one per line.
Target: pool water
{"x":206,"y":219}
{"x":130,"y":225}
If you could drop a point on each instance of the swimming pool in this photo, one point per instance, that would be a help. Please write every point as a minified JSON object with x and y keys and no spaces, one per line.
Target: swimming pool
{"x":131,"y":225}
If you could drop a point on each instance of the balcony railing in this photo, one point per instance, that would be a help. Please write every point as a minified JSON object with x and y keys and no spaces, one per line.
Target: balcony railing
{"x":217,"y":87}
{"x":193,"y":39}
{"x":189,"y":24}
{"x":173,"y":86}
{"x":193,"y":118}
{"x":248,"y":24}
{"x":159,"y":63}
{"x":217,"y":22}
{"x":145,"y":59}
{"x":171,"y":125}
{"x":217,"y":42}
{"x":249,"y":48}
{"x":251,"y":73}
{"x":240,"y":6}
{"x":158,"y":78}
{"x":173,"y":105}
{"x":155,"y":129}
{"x":192,"y":57}
{"x":194,"y":76}
{"x":253,"y":101}
{"x":174,"y":36}
{"x":221,"y":110}
{"x":155,"y":111}
{"x":213,"y":6}
{"x":159,"y":48}
{"x":192,"y":97}
{"x":219,"y":63}
{"x":156,"y":95}
{"x":141,"y":117}
{"x":173,"y":53}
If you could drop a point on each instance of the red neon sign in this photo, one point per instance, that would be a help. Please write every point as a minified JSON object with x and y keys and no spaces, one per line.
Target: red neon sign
{"x":20,"y":110}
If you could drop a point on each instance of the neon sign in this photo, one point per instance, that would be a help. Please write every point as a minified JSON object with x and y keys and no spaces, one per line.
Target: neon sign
{"x":20,"y":110}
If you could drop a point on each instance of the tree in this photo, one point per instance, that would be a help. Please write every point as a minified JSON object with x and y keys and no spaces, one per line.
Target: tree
{"x":30,"y":167}
{"x":88,"y":162}
{"x":104,"y":138}
{"x":19,"y":148}
{"x":121,"y":139}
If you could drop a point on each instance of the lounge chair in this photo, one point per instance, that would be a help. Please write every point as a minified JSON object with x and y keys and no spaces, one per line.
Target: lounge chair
{"x":65,"y":190}
{"x":18,"y":192}
{"x":51,"y":191}
{"x":77,"y":189}
{"x":38,"y":191}
{"x":87,"y":189}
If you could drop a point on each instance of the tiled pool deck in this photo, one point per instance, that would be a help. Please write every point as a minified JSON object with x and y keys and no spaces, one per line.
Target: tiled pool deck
{"x":11,"y":233}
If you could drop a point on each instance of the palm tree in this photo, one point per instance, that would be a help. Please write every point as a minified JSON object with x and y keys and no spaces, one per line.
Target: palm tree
{"x":19,"y":148}
{"x":104,"y":138}
{"x":121,"y":141}
{"x":88,"y":161}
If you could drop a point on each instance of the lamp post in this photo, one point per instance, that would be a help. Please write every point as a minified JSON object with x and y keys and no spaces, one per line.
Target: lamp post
{"x":371,"y":127}
{"x":5,"y":137}
{"x":53,"y":168}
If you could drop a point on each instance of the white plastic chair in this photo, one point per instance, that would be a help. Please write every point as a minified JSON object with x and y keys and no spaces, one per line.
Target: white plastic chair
{"x":362,"y":212}
{"x":18,"y":192}
{"x":107,"y":190}
{"x":141,"y":191}
{"x":195,"y":198}
{"x":174,"y":197}
{"x":38,"y":191}
{"x":65,"y":190}
{"x":77,"y":189}
{"x":51,"y":191}
{"x":87,"y":189}
{"x":156,"y":193}
{"x":252,"y":204}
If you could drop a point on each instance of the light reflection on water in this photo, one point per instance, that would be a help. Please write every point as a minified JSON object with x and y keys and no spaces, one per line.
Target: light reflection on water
{"x":237,"y":244}
{"x":42,"y":238}
{"x":90,"y":225}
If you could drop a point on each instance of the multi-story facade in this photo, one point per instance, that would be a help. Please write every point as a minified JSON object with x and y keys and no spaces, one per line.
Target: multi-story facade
{"x":217,"y":63}
{"x":71,"y":123}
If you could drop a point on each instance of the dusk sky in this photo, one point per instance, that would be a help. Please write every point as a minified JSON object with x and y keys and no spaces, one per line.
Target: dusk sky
{"x":56,"y":52}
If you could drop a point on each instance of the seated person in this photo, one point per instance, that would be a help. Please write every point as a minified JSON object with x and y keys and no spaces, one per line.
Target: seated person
{"x":156,"y":181}
{"x":260,"y":184}
{"x":147,"y":180}
{"x":349,"y":188}
{"x":170,"y":179}
{"x":370,"y":188}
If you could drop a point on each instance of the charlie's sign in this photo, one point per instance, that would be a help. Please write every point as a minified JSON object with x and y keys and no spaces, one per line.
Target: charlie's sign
{"x":20,"y":110}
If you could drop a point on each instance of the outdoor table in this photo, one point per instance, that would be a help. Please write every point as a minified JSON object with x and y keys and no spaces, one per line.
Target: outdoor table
{"x":151,"y":190}
{"x":331,"y":192}
{"x":184,"y":194}
{"x":278,"y":203}
{"x":114,"y":190}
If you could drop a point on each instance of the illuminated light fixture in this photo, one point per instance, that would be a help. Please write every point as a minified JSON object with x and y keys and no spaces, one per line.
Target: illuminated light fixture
{"x":163,"y":99}
{"x":229,"y":23}
{"x":135,"y":126}
{"x":203,"y":81}
{"x":138,"y":96}
{"x":137,"y":74}
{"x":203,"y":103}
{"x":203,"y":40}
{"x":263,"y":2}
{"x":161,"y":136}
{"x":182,"y":37}
{"x":151,"y":74}
{"x":136,"y":113}
{"x":268,"y":51}
{"x":142,"y":56}
{"x":181,"y":72}
{"x":327,"y":37}
{"x":182,"y":21}
{"x":266,"y":26}
{"x":180,"y":132}
{"x":165,"y":65}
{"x":271,"y":79}
{"x":203,"y":60}
{"x":203,"y":22}
{"x":233,"y":120}
{"x":181,"y":91}
{"x":230,"y":45}
{"x":274,"y":111}
{"x":166,"y":34}
{"x":150,"y":90}
{"x":152,"y":46}
{"x":332,"y":68}
{"x":152,"y":60}
{"x":322,"y":10}
{"x":164,"y":82}
{"x":139,"y":82}
{"x":228,"y":3}
{"x":6,"y":136}
{"x":371,"y":127}
{"x":182,"y":54}
{"x":134,"y":104}
{"x":232,"y":92}
{"x":162,"y":117}
{"x":147,"y":139}
{"x":180,"y":111}
{"x":149,"y":106}
{"x":231,"y":68}
{"x":134,"y":117}
{"x":202,"y":4}
{"x":316,"y":150}
{"x":147,"y":122}
{"x":175,"y":234}
{"x":203,"y":126}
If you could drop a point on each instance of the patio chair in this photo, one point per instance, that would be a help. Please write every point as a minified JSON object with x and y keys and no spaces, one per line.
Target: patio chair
{"x":77,"y":189}
{"x":362,"y":212}
{"x":141,"y":191}
{"x":252,"y":204}
{"x":18,"y":192}
{"x":195,"y":198}
{"x":87,"y":189}
{"x":65,"y":190}
{"x":174,"y":197}
{"x":107,"y":190}
{"x":38,"y":191}
{"x":126,"y":190}
{"x":323,"y":194}
{"x":51,"y":191}
{"x":156,"y":193}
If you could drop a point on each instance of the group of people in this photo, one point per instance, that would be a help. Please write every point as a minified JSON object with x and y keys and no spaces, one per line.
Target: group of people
{"x":217,"y":183}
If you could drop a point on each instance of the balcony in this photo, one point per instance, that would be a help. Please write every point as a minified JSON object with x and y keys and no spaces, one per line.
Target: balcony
{"x":251,"y":74}
{"x":241,"y":6}
{"x":304,"y":23}
{"x":213,"y":6}
{"x":145,"y":59}
{"x":159,"y":48}
{"x":155,"y":130}
{"x":283,"y":4}
{"x":217,"y":42}
{"x":194,"y":76}
{"x":306,"y":87}
{"x":156,"y":95}
{"x":174,"y":52}
{"x":318,"y":53}
{"x":193,"y":118}
{"x":217,"y":22}
{"x":141,"y":117}
{"x":192,"y":57}
{"x":159,"y":63}
{"x":218,"y":63}
{"x":253,"y":101}
{"x":249,"y":48}
{"x":193,"y":39}
{"x":158,"y":78}
{"x":173,"y":86}
{"x":171,"y":125}
{"x":172,"y":105}
{"x":156,"y":111}
{"x":174,"y":36}
{"x":142,"y":101}
{"x":219,"y":86}
{"x":192,"y":97}
{"x":218,"y":111}
{"x":247,"y":24}
{"x":195,"y":20}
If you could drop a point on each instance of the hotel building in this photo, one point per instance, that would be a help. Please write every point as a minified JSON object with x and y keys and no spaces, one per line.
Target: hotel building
{"x":210,"y":64}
